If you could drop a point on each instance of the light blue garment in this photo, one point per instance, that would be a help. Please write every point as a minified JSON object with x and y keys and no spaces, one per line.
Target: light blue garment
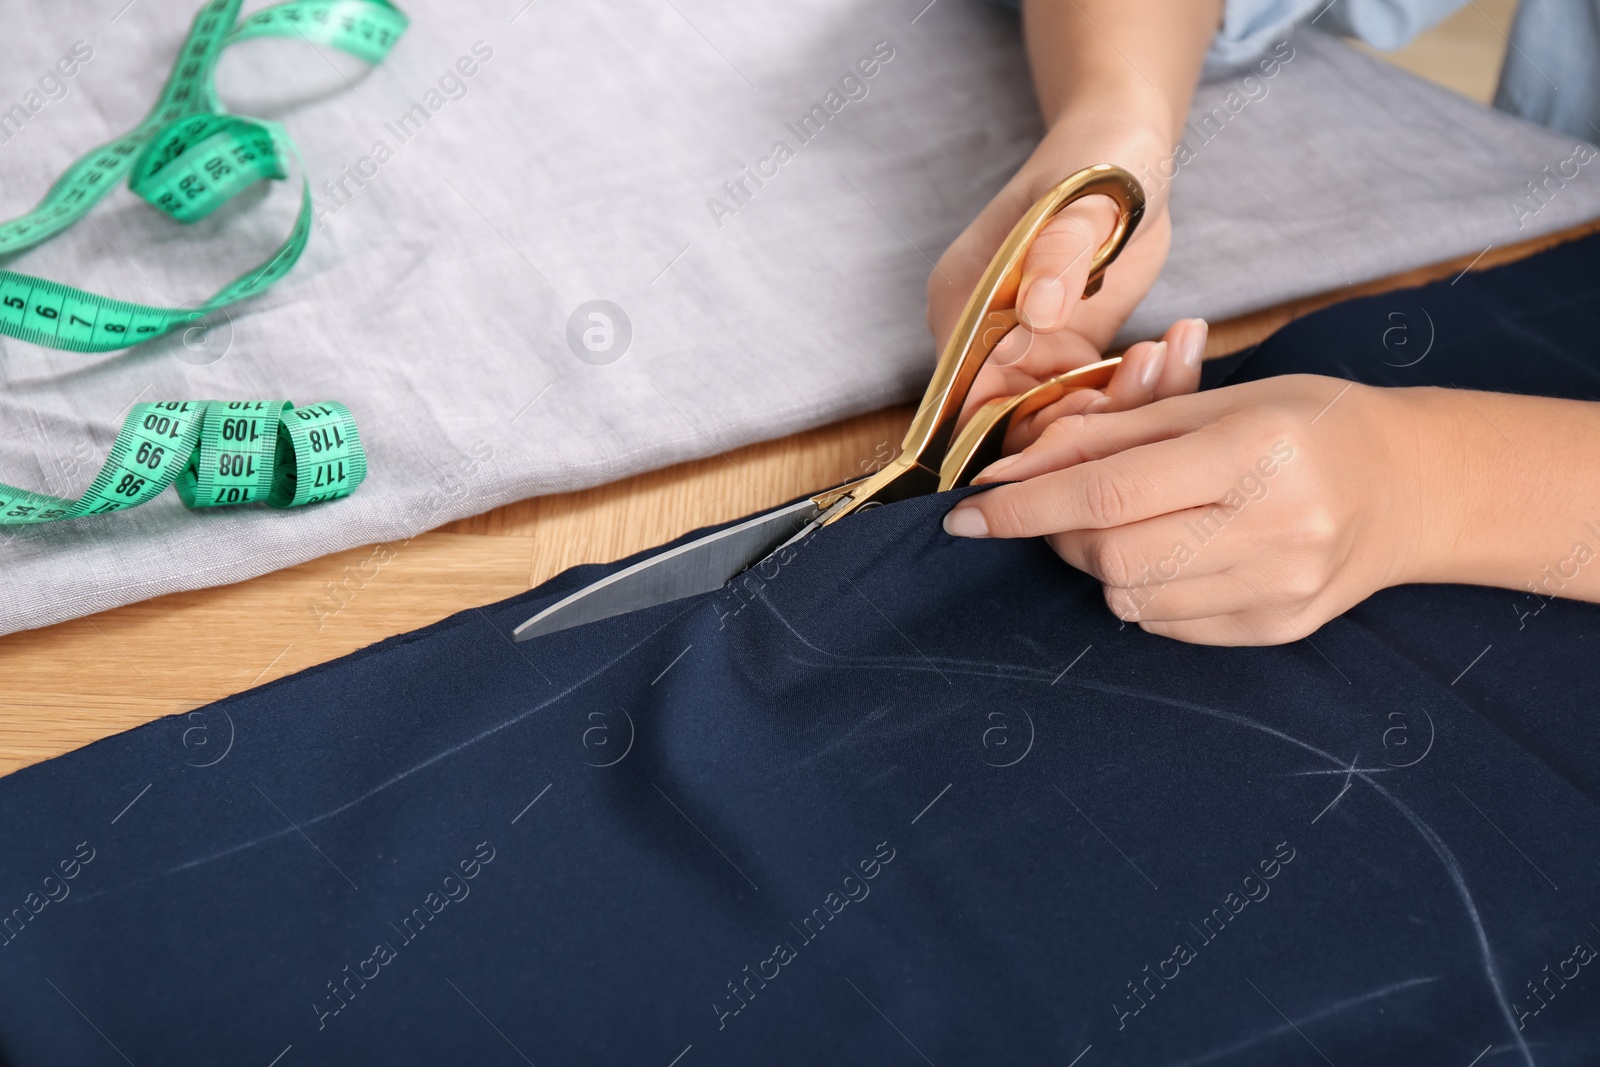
{"x":1251,"y":27}
{"x":1551,"y":74}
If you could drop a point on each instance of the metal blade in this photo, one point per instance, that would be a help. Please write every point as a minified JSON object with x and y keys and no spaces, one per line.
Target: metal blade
{"x":697,"y":567}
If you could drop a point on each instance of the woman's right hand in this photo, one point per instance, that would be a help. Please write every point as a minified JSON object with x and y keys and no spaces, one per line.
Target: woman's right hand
{"x":1060,"y":331}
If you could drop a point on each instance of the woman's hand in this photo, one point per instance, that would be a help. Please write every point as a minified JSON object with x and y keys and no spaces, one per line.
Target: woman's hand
{"x":1114,"y":79}
{"x":1245,"y":515}
{"x":1060,"y":331}
{"x":1150,"y":370}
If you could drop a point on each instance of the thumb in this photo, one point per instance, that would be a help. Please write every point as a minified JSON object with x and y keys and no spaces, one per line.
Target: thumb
{"x":1057,"y":266}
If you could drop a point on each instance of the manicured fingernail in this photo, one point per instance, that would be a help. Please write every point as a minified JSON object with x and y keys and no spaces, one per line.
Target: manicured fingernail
{"x":1098,"y":404}
{"x":1194,"y":343}
{"x":1152,"y":366}
{"x":1047,"y":298}
{"x":966,"y":522}
{"x":998,"y":467}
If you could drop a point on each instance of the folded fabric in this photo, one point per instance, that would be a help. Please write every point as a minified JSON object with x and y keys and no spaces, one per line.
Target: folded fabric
{"x":758,"y":191}
{"x":909,"y":799}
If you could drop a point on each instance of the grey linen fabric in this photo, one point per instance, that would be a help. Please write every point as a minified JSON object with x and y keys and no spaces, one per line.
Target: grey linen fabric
{"x":595,"y":152}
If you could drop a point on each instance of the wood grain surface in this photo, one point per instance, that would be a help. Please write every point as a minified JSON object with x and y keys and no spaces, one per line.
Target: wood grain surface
{"x":75,"y":682}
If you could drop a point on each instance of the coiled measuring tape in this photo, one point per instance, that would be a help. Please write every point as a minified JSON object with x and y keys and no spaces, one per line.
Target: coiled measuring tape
{"x":186,"y":158}
{"x":216,"y":452}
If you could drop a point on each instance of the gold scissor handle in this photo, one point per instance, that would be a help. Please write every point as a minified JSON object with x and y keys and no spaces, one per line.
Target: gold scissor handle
{"x":982,"y":440}
{"x":990,"y":314}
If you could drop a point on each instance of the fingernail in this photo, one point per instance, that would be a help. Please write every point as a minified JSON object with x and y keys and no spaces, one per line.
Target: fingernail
{"x":1047,"y":298}
{"x":1194,"y":343}
{"x":966,"y":522}
{"x":999,"y":466}
{"x":1098,"y":404}
{"x":1152,"y":366}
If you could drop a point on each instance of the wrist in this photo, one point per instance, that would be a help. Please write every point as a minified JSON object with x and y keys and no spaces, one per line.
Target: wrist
{"x":1503,"y":481}
{"x":1433,"y":497}
{"x":1134,"y":137}
{"x":1123,"y":58}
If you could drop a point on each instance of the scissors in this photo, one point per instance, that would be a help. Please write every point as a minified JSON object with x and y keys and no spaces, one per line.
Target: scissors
{"x":933,"y":457}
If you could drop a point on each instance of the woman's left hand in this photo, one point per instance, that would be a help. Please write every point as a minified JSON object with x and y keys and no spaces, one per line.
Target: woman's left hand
{"x":1250,"y":514}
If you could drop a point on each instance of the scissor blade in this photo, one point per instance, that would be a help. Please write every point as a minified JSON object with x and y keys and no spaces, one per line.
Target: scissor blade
{"x":698,"y":567}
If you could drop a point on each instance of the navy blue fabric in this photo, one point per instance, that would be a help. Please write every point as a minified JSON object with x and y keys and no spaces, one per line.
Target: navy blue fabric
{"x":907,"y":800}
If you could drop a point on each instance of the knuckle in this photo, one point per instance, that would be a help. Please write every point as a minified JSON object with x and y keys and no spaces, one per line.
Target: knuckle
{"x":1009,"y":514}
{"x":1311,"y":528}
{"x":1066,"y":235}
{"x":1302,"y":585}
{"x":1276,"y":423}
{"x":1257,"y":428}
{"x":1111,"y":563}
{"x":1124,"y":604}
{"x":1105,"y":496}
{"x":1056,"y":434}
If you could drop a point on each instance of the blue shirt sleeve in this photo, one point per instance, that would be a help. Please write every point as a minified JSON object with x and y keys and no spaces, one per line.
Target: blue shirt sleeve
{"x":1251,"y":27}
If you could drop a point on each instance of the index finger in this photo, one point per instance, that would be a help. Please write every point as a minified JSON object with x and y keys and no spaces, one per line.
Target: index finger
{"x":1127,"y":486}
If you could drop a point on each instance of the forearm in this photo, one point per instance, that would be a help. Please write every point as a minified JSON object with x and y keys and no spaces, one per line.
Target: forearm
{"x":1114,"y":79}
{"x":1134,"y":61}
{"x":1509,"y":493}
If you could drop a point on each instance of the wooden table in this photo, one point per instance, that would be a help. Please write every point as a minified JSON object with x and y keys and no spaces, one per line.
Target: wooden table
{"x":75,"y":682}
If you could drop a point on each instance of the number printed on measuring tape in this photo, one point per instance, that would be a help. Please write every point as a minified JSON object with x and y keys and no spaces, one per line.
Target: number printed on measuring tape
{"x":216,"y":453}
{"x":187,"y":158}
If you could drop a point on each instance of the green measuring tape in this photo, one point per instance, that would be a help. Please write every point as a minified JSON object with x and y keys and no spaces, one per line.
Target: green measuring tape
{"x":217,"y":452}
{"x":187,"y":158}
